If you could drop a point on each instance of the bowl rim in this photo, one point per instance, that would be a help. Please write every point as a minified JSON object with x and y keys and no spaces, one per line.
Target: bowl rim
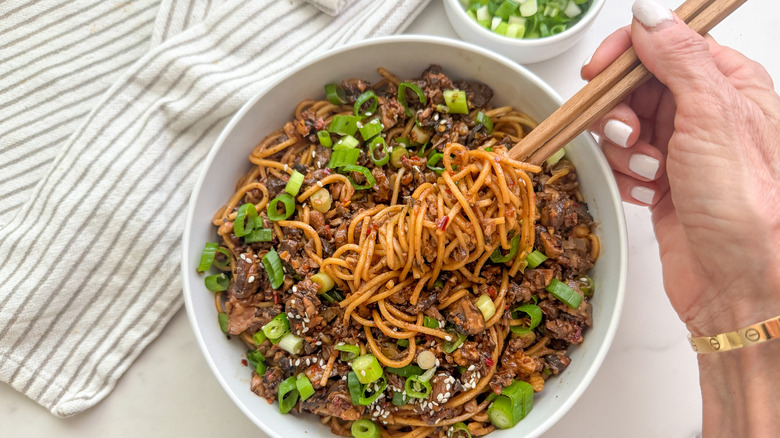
{"x":584,"y":22}
{"x":603,"y":348}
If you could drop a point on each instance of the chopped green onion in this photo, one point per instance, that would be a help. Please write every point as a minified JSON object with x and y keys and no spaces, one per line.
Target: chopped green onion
{"x":459,"y":430}
{"x":217,"y":282}
{"x":398,"y":153}
{"x":294,"y":183}
{"x":457,"y":340}
{"x":226,"y":263}
{"x":259,"y":235}
{"x":430,"y":322}
{"x":343,"y":124}
{"x":222,"y":318}
{"x":260,"y":368}
{"x":207,"y":257}
{"x":291,"y":343}
{"x":438,"y":284}
{"x":335,"y":94}
{"x":346,"y":142}
{"x":367,"y":368}
{"x":456,"y":101}
{"x":277,"y":328}
{"x":403,"y":343}
{"x":371,"y":129}
{"x":418,"y":135}
{"x":485,"y":121}
{"x":321,"y":200}
{"x":496,"y":257}
{"x":364,"y":429}
{"x":435,"y":158}
{"x":324,"y":138}
{"x":355,"y":387}
{"x":323,"y":280}
{"x":273,"y":207}
{"x":490,"y":149}
{"x":399,"y":399}
{"x":407,"y":371}
{"x":348,"y":352}
{"x":370,"y":397}
{"x":362,"y":99}
{"x":402,"y":96}
{"x":535,"y":258}
{"x":534,"y":313}
{"x":564,"y":293}
{"x":556,"y":157}
{"x":273,"y":266}
{"x":426,"y":376}
{"x":486,"y":306}
{"x":245,"y":220}
{"x":526,"y":18}
{"x":304,"y":387}
{"x":586,"y":285}
{"x":528,"y":8}
{"x":416,"y":388}
{"x":372,"y":147}
{"x":343,"y":157}
{"x":259,"y":337}
{"x":288,"y":395}
{"x":506,"y":9}
{"x":370,"y":181}
{"x":255,"y":357}
{"x":514,"y":403}
{"x":333,"y":296}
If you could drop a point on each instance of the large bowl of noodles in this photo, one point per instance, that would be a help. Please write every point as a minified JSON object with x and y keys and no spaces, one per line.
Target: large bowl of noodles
{"x":406,"y":57}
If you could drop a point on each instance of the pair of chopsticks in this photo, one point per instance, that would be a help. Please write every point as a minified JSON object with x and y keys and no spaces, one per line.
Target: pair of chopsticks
{"x":609,"y":88}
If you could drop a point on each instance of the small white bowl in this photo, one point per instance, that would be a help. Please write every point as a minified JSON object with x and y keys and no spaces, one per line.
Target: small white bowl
{"x":406,"y":56}
{"x":524,"y":51}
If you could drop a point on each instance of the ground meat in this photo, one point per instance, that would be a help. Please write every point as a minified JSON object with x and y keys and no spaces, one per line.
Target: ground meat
{"x":339,"y":403}
{"x":287,"y":249}
{"x":240,"y":317}
{"x":477,"y":93}
{"x":556,"y":362}
{"x":551,"y":244}
{"x":553,"y":214}
{"x":275,"y":186}
{"x":302,"y":307}
{"x":441,"y":387}
{"x":467,"y":354}
{"x":389,"y":112}
{"x":565,"y":330}
{"x":267,"y":386}
{"x":466,"y":317}
{"x":539,"y":278}
{"x":382,"y":189}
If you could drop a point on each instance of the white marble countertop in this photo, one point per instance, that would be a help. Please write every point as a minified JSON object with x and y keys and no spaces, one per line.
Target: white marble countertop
{"x":647,"y":386}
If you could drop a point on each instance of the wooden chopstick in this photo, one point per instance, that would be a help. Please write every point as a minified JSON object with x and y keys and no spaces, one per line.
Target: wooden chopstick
{"x":610,"y":87}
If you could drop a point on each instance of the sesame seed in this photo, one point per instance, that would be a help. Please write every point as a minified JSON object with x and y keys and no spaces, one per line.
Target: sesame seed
{"x":471,"y":367}
{"x":251,"y":279}
{"x":368,"y":113}
{"x":363,"y":373}
{"x":286,"y":167}
{"x":294,"y":289}
{"x":448,"y":338}
{"x":319,"y":183}
{"x":313,"y":154}
{"x":297,"y":362}
{"x":292,"y":301}
{"x":243,"y":257}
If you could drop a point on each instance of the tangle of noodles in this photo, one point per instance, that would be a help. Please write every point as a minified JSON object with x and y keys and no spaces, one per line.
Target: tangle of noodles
{"x":409,"y":258}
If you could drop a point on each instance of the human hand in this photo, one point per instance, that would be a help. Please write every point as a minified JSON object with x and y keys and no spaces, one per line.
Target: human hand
{"x":701,"y":146}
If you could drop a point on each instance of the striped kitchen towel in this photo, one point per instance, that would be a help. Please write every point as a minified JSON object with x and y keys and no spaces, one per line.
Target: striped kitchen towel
{"x":107,"y":109}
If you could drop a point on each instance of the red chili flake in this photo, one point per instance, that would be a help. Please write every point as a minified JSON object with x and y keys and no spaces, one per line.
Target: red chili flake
{"x":448,"y":191}
{"x":327,"y":171}
{"x":489,"y":362}
{"x":276,"y":298}
{"x":491,"y":291}
{"x":442,"y":222}
{"x":244,"y":362}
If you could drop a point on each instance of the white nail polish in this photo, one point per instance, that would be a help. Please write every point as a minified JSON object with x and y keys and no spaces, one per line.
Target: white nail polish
{"x":643,"y":194}
{"x":651,"y":13}
{"x":587,"y":61}
{"x":617,"y":132}
{"x":644,"y":165}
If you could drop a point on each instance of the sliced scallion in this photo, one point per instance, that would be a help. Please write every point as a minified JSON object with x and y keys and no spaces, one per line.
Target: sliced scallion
{"x":564,"y":293}
{"x":207,"y":257}
{"x":367,"y":96}
{"x":259,"y":337}
{"x":343,"y":157}
{"x":430,"y":322}
{"x":346,"y":142}
{"x":371,"y":391}
{"x":459,"y":430}
{"x":514,"y":403}
{"x":371,"y":129}
{"x":321,"y":200}
{"x":456,"y":101}
{"x":485,"y":121}
{"x":288,"y":395}
{"x":259,"y":235}
{"x":355,"y":387}
{"x":335,"y":94}
{"x":304,"y":387}
{"x":273,"y":207}
{"x":348,"y":352}
{"x":416,"y":388}
{"x":273,"y":266}
{"x":399,"y":152}
{"x":367,"y":368}
{"x":497,"y":257}
{"x":364,"y":428}
{"x":291,"y":343}
{"x":407,"y":371}
{"x":435,"y":158}
{"x":402,"y":87}
{"x":294,"y":183}
{"x":370,"y":181}
{"x":323,"y":280}
{"x":457,"y":340}
{"x":324,"y":138}
{"x":343,"y":124}
{"x":217,"y":282}
{"x":222,"y":318}
{"x":486,"y":306}
{"x":245,"y":220}
{"x":534,"y":314}
{"x":385,"y":155}
{"x":535,"y":258}
{"x":277,"y":328}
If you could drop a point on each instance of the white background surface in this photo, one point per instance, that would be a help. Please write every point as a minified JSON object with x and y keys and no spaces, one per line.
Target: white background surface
{"x":647,"y":386}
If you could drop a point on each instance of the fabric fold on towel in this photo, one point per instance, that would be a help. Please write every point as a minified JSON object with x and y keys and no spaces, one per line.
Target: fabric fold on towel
{"x":109,"y":111}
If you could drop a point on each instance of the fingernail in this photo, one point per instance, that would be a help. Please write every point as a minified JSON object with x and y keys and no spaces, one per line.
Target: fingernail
{"x":651,"y":13}
{"x":644,"y":165}
{"x":617,"y":132}
{"x":643,"y":194}
{"x":587,"y":61}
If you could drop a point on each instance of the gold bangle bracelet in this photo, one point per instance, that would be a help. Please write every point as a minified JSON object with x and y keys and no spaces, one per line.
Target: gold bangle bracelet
{"x":752,"y":334}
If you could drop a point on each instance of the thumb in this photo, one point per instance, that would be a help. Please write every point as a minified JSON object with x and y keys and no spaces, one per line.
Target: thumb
{"x":675,"y":54}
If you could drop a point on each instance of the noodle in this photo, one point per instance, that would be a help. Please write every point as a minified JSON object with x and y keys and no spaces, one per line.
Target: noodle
{"x":408,"y":256}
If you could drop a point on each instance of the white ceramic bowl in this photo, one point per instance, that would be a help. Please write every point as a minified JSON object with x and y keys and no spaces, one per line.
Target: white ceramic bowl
{"x":407,"y":57}
{"x":521,"y":50}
